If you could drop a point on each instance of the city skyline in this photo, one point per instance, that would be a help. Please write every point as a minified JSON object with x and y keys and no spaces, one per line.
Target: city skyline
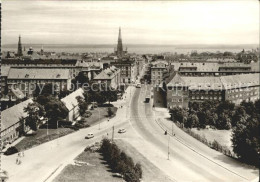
{"x":166,"y":23}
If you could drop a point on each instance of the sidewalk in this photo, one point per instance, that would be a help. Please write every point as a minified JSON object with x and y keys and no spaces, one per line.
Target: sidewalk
{"x":41,"y":162}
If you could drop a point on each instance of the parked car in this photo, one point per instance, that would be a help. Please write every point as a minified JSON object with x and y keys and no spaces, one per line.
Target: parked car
{"x":89,"y":135}
{"x":138,"y":85}
{"x":122,"y":130}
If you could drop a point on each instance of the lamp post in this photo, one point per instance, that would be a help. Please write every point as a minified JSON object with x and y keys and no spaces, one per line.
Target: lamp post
{"x":168,"y":148}
{"x":47,"y":127}
{"x":98,"y":118}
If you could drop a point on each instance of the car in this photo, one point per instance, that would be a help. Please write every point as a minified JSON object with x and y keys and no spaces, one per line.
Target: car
{"x":89,"y":135}
{"x":122,"y":130}
{"x":138,"y":85}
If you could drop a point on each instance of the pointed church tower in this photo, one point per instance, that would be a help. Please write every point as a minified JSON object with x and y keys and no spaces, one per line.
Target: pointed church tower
{"x":119,"y":44}
{"x":19,"y":51}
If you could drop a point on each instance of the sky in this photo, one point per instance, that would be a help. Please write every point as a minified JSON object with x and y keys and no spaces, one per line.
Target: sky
{"x":150,"y":22}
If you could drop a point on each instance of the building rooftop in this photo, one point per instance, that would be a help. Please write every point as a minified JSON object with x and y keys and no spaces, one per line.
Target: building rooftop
{"x":13,"y":114}
{"x":208,"y":67}
{"x":36,"y":73}
{"x":5,"y":70}
{"x":215,"y":83}
{"x":71,"y":101}
{"x":40,"y":61}
{"x":107,"y":74}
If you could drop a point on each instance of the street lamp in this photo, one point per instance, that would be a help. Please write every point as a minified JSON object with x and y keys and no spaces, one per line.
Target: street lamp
{"x":47,"y":126}
{"x":98,"y":118}
{"x":168,"y":148}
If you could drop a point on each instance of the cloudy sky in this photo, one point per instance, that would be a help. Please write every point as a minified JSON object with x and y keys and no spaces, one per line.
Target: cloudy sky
{"x":152,"y":22}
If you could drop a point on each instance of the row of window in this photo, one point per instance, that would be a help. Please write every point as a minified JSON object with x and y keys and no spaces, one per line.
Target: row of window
{"x":241,"y":89}
{"x":245,"y":94}
{"x":8,"y":130}
{"x":206,"y":98}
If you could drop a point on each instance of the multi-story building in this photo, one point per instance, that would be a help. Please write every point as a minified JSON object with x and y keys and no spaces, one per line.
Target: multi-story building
{"x":89,"y":68}
{"x":157,"y":69}
{"x":181,"y":90}
{"x":10,"y":122}
{"x":110,"y":76}
{"x":26,"y":79}
{"x":128,"y":70}
{"x":214,"y":69}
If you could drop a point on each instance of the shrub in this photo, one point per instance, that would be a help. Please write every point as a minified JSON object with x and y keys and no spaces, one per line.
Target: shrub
{"x":120,"y":162}
{"x":138,"y":170}
{"x":11,"y":150}
{"x":110,"y":112}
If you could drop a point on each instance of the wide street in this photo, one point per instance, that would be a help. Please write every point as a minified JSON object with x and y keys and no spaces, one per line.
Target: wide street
{"x":189,"y":160}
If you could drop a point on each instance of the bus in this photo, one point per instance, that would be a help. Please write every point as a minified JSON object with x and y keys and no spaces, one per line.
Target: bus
{"x":147,"y":96}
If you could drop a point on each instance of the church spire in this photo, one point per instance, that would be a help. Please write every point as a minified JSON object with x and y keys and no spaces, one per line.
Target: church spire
{"x":119,"y":44}
{"x":19,"y":50}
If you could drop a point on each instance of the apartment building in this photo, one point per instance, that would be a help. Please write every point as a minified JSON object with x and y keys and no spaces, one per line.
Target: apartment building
{"x":181,"y":90}
{"x":157,"y":69}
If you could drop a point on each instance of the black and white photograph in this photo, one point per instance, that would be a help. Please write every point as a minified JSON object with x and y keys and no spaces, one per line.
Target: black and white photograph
{"x":130,"y":91}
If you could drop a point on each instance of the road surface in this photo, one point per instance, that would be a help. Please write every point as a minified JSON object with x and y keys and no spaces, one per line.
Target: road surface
{"x":189,"y":159}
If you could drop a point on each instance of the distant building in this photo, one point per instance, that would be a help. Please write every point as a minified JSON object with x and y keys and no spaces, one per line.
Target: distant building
{"x":26,"y":79}
{"x":119,"y":49}
{"x":213,"y":69}
{"x":71,"y":103}
{"x":181,"y":90}
{"x":110,"y":76}
{"x":20,"y":49}
{"x":128,"y":70}
{"x":157,"y":69}
{"x":10,"y":122}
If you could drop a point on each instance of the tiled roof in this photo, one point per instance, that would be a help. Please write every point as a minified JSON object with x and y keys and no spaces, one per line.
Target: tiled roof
{"x":70,"y":101}
{"x":107,"y":74}
{"x":35,"y":73}
{"x":209,"y":67}
{"x":237,"y":81}
{"x":12,"y":115}
{"x":217,"y":83}
{"x":5,"y":70}
{"x":40,"y":61}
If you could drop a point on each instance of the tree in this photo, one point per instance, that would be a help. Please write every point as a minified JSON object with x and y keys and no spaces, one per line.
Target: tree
{"x":130,"y":176}
{"x":246,"y":140}
{"x":83,"y":106}
{"x":192,"y":121}
{"x":49,"y":89}
{"x":138,"y":170}
{"x":81,"y":79}
{"x":34,"y":112}
{"x":54,"y":108}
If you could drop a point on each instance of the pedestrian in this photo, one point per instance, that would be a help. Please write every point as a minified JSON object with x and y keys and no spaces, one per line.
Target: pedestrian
{"x":23,"y":153}
{"x":17,"y":160}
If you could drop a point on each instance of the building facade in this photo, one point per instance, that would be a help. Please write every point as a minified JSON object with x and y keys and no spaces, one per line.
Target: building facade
{"x":71,"y":103}
{"x":213,"y":69}
{"x":235,"y":88}
{"x":10,"y":122}
{"x":128,"y":70}
{"x":110,"y":76}
{"x":157,"y":69}
{"x":26,"y":79}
